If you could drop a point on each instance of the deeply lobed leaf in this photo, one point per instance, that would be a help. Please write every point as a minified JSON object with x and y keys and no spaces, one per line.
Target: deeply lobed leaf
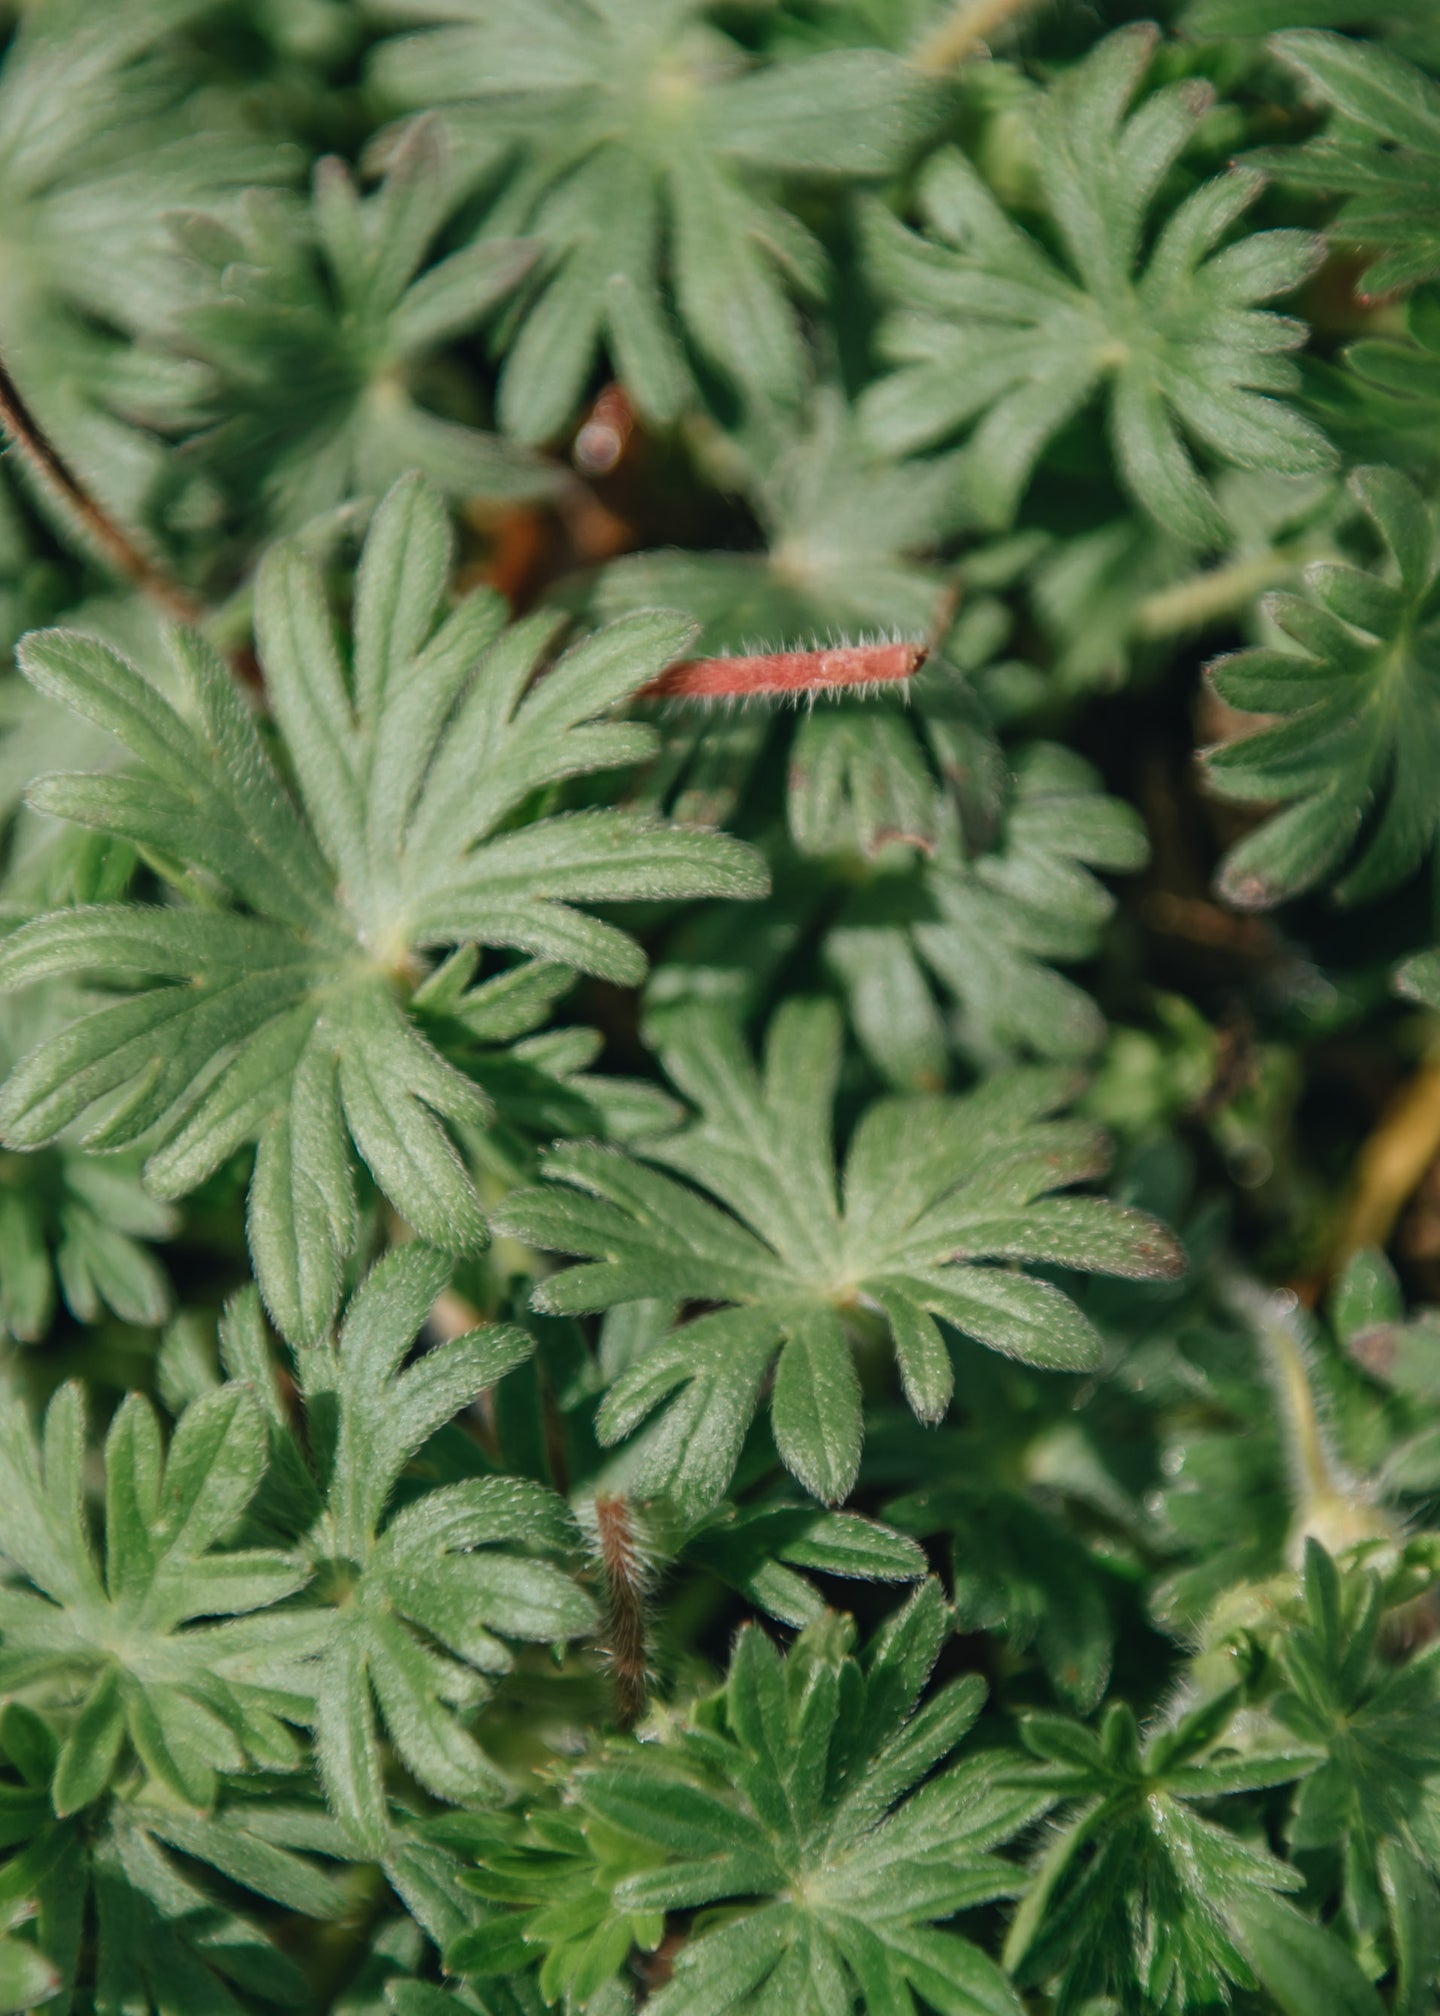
{"x":933,"y":1191}
{"x":285,"y":1019}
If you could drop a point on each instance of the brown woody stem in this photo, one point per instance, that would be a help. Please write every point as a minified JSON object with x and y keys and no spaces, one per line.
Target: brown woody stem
{"x":96,"y":526}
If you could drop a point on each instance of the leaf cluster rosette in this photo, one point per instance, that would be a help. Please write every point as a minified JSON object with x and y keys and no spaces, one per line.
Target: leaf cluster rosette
{"x":286,"y":1015}
{"x":316,"y":328}
{"x":814,"y":1807}
{"x":645,"y":147}
{"x":999,"y":338}
{"x":804,"y":1264}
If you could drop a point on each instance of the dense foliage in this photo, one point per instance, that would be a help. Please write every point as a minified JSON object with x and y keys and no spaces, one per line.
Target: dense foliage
{"x":660,"y":1350}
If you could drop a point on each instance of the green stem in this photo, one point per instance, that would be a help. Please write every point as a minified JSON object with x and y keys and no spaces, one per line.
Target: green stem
{"x":1191,"y":604}
{"x":1328,"y":1503}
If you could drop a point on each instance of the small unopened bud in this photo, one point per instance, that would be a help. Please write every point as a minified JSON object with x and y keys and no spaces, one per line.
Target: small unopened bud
{"x":627,"y":1572}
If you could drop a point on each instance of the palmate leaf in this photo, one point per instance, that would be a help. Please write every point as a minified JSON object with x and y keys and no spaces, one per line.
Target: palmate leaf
{"x":72,"y":1220}
{"x":1355,"y":763}
{"x":1327,"y":1656}
{"x":1381,"y":154}
{"x":850,"y":538}
{"x":951,"y":945}
{"x":1377,"y":1792}
{"x":421,"y":1595}
{"x":643,"y":145}
{"x":996,"y":337}
{"x":1141,"y":1895}
{"x":933,"y":1190}
{"x":122,"y":1638}
{"x":123,"y":1916}
{"x":286,"y":1020}
{"x":100,"y":139}
{"x":316,"y":326}
{"x":792,"y":1805}
{"x":990,"y":923}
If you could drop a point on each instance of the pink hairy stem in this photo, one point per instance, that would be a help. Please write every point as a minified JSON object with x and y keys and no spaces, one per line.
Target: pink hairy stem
{"x":787,"y":672}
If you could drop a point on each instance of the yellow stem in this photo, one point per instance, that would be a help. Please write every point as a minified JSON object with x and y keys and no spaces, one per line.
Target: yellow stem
{"x":1391,"y":1163}
{"x":1190,"y":604}
{"x":1312,"y":1465}
{"x":967,"y":25}
{"x":1327,"y":1503}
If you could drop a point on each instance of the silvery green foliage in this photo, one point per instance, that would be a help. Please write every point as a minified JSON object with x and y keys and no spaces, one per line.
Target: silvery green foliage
{"x":994,"y":336}
{"x":1353,"y":757}
{"x":411,"y":1603}
{"x":74,"y":1225}
{"x":800,"y":1262}
{"x":100,"y":139}
{"x":314,"y":326}
{"x":286,"y":1018}
{"x":1382,"y":153}
{"x":523,"y":1200}
{"x":805,"y":1789}
{"x":644,"y":146}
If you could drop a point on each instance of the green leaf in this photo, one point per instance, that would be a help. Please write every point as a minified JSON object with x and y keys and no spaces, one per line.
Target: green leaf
{"x":647,"y":144}
{"x":1378,"y":1783}
{"x":923,"y":1188}
{"x":815,"y":1407}
{"x":158,"y":1931}
{"x":26,"y":1976}
{"x":1366,"y":1299}
{"x":1139,"y":1895}
{"x":992,"y":924}
{"x":793,"y":1802}
{"x":152,"y":1671}
{"x":996,"y":338}
{"x":1384,"y":159}
{"x":413,"y":1602}
{"x":763,"y":1551}
{"x":315,"y":327}
{"x":292,"y":1027}
{"x":90,"y":1751}
{"x":71,"y":1221}
{"x":105,"y":148}
{"x":1352,"y":756}
{"x":1302,"y":1966}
